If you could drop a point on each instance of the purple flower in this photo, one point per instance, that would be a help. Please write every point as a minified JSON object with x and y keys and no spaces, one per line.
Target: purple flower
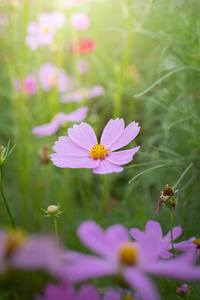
{"x":83,"y":94}
{"x":67,"y":292}
{"x":81,"y":149}
{"x":61,"y":118}
{"x":154,"y":230}
{"x":18,"y":251}
{"x":183,"y":289}
{"x":80,"y":21}
{"x":118,"y":255}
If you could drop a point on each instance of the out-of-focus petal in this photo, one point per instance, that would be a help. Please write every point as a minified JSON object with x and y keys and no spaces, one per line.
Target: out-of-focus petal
{"x":129,"y":133}
{"x":112,"y":132}
{"x":105,"y":167}
{"x":141,"y":284}
{"x":118,"y":235}
{"x":185,"y":246}
{"x":83,"y":135}
{"x":45,"y":129}
{"x":88,"y":292}
{"x":137,"y":234}
{"x":122,"y":157}
{"x":176,"y":233}
{"x":78,"y":115}
{"x":95,"y":238}
{"x":153,"y":228}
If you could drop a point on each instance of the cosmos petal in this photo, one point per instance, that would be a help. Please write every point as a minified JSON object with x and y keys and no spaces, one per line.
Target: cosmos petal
{"x":82,"y":135}
{"x":112,"y":132}
{"x":122,"y":157}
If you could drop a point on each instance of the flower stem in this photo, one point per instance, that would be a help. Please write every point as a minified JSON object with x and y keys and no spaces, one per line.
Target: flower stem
{"x":103,"y":200}
{"x":6,"y":203}
{"x":171,"y":221}
{"x":56,"y":231}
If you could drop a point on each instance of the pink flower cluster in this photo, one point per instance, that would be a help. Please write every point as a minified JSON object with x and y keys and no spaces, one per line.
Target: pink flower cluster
{"x":42,"y":33}
{"x":83,"y":94}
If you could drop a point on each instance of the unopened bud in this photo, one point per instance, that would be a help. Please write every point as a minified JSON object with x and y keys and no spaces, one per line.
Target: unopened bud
{"x":183,"y":290}
{"x":53,"y":210}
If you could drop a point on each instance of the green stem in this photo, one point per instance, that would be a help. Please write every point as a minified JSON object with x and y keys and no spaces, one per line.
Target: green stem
{"x":103,"y":200}
{"x":6,"y":203}
{"x":171,"y":221}
{"x":56,"y":231}
{"x":182,"y":175}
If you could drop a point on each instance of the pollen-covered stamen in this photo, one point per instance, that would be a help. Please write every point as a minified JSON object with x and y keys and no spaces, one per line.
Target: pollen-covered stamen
{"x":197,"y":243}
{"x":98,"y":151}
{"x":128,"y":254}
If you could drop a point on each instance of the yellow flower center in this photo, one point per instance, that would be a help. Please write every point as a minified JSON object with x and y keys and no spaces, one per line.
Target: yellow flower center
{"x":84,"y":93}
{"x":128,"y":254}
{"x":14,"y":241}
{"x":98,"y":151}
{"x":127,"y":297}
{"x":46,"y":29}
{"x":197,"y":242}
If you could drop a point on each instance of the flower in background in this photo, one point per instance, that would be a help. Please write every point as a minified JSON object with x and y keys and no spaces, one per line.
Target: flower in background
{"x":51,"y":77}
{"x":68,"y":292}
{"x":18,"y":251}
{"x":80,"y":21}
{"x":132,"y":261}
{"x":81,"y":149}
{"x":16,"y":83}
{"x":83,"y":66}
{"x":3,"y":22}
{"x":183,"y":289}
{"x":42,"y":33}
{"x":83,"y":94}
{"x":30,"y":84}
{"x":43,"y":155}
{"x":82,"y":46}
{"x":61,"y":118}
{"x":154,"y":231}
{"x":69,"y":3}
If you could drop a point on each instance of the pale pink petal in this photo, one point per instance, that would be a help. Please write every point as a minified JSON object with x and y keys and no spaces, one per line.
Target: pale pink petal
{"x":62,"y":81}
{"x":80,"y":21}
{"x":45,"y":129}
{"x":83,"y":135}
{"x":105,"y":167}
{"x":137,"y":234}
{"x":141,"y":284}
{"x":63,"y":160}
{"x":93,"y":237}
{"x":65,"y":145}
{"x":185,"y":246}
{"x":122,"y":157}
{"x":176,"y":233}
{"x":129,"y":133}
{"x":112,"y":132}
{"x":153,"y":228}
{"x":166,"y":254}
{"x":78,"y":115}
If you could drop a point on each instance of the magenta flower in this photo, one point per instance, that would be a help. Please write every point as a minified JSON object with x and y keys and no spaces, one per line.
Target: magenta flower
{"x":83,"y":94}
{"x":118,"y":255}
{"x":183,"y":289}
{"x":154,"y":230}
{"x":80,"y":21}
{"x":30,"y":84}
{"x":67,"y":292}
{"x":61,"y":118}
{"x":81,"y":149}
{"x":36,"y":252}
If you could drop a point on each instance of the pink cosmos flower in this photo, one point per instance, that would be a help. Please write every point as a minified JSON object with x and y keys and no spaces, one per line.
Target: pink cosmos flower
{"x":61,"y":118}
{"x":68,"y":292}
{"x":83,"y":66}
{"x":42,"y":33}
{"x":36,"y":252}
{"x":154,"y":230}
{"x":81,"y":149}
{"x":80,"y":21}
{"x":83,"y":94}
{"x":82,"y":46}
{"x":51,"y":77}
{"x":16,"y":83}
{"x":30,"y":84}
{"x":118,"y":255}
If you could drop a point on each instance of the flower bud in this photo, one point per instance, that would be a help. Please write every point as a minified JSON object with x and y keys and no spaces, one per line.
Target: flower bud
{"x":183,"y":290}
{"x":43,"y":155}
{"x":53,"y":210}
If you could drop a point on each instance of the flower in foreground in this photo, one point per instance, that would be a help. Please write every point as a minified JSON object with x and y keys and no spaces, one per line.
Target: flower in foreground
{"x":68,"y":292}
{"x":154,"y":230}
{"x":61,"y":118}
{"x":132,"y":261}
{"x":80,"y":148}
